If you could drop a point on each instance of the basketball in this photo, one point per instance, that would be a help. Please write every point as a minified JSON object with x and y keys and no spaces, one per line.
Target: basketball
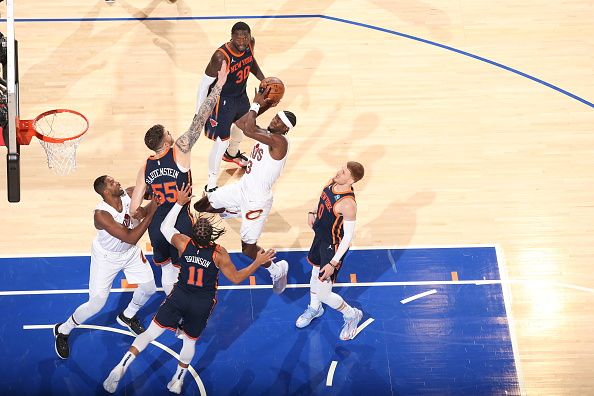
{"x":277,"y":88}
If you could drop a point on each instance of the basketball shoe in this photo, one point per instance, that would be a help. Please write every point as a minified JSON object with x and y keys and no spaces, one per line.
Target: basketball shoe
{"x":279,"y":278}
{"x":238,"y":159}
{"x":132,"y":323}
{"x":349,"y":329}
{"x":309,"y":315}
{"x":61,"y":343}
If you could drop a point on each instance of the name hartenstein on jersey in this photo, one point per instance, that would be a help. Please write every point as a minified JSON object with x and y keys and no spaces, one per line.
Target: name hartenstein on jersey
{"x":197,"y":260}
{"x":240,"y":64}
{"x":327,"y":202}
{"x":161,"y":172}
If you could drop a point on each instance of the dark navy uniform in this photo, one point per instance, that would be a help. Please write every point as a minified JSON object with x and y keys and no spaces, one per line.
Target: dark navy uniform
{"x":328,"y":228}
{"x":194,"y":295}
{"x":234,"y":101}
{"x":162,"y":175}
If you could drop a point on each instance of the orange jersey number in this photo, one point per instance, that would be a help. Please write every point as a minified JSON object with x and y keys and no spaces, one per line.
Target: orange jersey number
{"x":242,"y":75}
{"x":166,"y":191}
{"x":195,"y":277}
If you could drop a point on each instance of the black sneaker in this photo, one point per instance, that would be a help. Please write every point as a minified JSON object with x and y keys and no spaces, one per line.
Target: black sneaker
{"x":238,"y":159}
{"x":133,"y":323}
{"x":61,"y":344}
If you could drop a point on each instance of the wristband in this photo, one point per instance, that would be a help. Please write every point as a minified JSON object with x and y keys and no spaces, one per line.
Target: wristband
{"x":313,"y":213}
{"x":255,"y":107}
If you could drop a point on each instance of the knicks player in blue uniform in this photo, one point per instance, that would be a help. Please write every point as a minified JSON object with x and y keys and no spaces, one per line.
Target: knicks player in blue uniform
{"x":165,"y":172}
{"x":333,"y":223}
{"x":234,"y":102}
{"x":194,"y":295}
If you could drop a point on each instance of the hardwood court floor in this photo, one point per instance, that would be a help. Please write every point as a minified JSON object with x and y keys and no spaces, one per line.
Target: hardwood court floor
{"x":457,"y":150}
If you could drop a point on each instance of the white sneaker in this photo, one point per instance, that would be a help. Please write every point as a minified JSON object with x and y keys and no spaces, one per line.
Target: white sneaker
{"x":279,"y":280}
{"x":112,"y":381}
{"x":309,"y":315}
{"x":175,"y":385}
{"x":349,"y":329}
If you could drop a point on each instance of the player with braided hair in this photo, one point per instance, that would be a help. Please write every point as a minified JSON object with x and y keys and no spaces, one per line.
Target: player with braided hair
{"x":194,"y":295}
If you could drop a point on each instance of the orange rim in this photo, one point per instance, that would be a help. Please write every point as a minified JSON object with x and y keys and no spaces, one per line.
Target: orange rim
{"x":48,"y":139}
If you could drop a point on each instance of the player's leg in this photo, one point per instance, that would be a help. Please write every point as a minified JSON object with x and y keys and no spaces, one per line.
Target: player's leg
{"x":185,"y":357}
{"x":233,"y":154}
{"x":102,"y":274}
{"x":196,"y":315}
{"x":218,"y":129}
{"x":253,"y":217}
{"x":162,"y":257}
{"x":137,"y":271}
{"x":214,"y":163}
{"x":352,"y":316}
{"x":314,"y":308}
{"x":140,"y":343}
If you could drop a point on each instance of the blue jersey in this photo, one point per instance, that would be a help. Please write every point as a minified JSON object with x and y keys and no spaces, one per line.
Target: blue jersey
{"x":328,"y":223}
{"x":239,"y":65}
{"x":198,"y":273}
{"x":163,"y":175}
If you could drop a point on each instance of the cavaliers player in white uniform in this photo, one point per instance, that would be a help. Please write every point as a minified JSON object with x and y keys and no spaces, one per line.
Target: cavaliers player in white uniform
{"x":114,"y":249}
{"x":251,"y":197}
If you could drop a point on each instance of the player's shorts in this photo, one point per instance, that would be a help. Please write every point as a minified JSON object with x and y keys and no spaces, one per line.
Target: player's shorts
{"x":320,"y":254}
{"x":228,"y":110}
{"x":105,"y":265}
{"x":254,"y":209}
{"x":194,"y":308}
{"x":163,"y":251}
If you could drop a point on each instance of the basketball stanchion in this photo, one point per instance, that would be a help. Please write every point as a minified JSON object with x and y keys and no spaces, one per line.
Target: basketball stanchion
{"x":59,"y":132}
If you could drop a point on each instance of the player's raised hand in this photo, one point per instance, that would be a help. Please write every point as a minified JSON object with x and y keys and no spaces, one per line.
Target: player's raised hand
{"x":184,"y":195}
{"x":265,"y":256}
{"x":222,"y":74}
{"x":261,"y":97}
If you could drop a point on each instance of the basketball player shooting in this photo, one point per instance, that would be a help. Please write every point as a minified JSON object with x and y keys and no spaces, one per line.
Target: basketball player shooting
{"x":251,"y":197}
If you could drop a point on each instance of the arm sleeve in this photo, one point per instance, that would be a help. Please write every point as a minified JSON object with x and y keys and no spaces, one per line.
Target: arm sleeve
{"x":349,"y":232}
{"x":168,"y":225}
{"x":203,"y":90}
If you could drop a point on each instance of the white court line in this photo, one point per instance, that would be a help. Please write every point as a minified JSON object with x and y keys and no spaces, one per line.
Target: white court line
{"x":417,"y":296}
{"x":330,"y":376}
{"x":476,"y":282}
{"x":392,"y":247}
{"x":507,"y":301}
{"x":363,"y":325}
{"x":120,"y":331}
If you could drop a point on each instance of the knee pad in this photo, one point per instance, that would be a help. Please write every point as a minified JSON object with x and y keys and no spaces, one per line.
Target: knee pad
{"x":97,"y":302}
{"x":148,"y":288}
{"x":169,"y":274}
{"x":187,"y":352}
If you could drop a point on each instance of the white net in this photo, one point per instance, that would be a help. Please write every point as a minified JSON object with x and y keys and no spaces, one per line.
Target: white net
{"x":57,"y":129}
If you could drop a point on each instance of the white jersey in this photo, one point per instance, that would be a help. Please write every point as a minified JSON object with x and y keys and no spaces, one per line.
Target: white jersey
{"x":107,"y":241}
{"x":261,"y":172}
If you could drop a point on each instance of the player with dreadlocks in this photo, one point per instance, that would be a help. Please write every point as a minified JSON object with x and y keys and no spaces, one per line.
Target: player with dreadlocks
{"x":194,"y":295}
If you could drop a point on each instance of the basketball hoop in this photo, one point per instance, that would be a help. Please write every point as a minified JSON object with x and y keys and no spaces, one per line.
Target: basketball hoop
{"x":59,"y":132}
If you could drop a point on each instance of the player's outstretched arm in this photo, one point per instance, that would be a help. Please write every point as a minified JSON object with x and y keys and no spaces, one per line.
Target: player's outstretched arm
{"x":247,"y":123}
{"x":223,"y":261}
{"x":172,"y":235}
{"x":138,"y":195}
{"x":104,"y":221}
{"x":186,"y":141}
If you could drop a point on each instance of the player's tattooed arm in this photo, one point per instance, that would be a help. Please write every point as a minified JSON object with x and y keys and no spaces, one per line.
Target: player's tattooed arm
{"x":186,"y":141}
